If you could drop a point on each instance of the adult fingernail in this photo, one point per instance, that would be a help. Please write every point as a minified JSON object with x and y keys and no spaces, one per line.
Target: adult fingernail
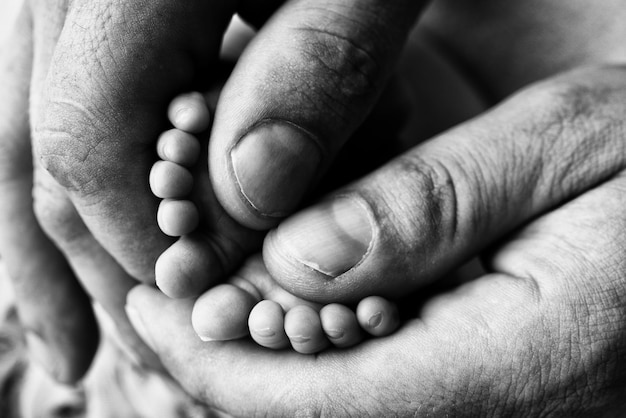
{"x":331,"y":238}
{"x":274,"y":165}
{"x":137,"y":322}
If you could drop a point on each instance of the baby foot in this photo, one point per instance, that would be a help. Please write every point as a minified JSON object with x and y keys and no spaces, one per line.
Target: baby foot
{"x":179,"y":149}
{"x":211,"y":242}
{"x":251,"y":302}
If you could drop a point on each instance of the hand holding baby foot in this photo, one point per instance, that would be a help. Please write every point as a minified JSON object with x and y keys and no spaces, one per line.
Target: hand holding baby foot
{"x":103,"y":75}
{"x":226,"y":311}
{"x":542,"y":333}
{"x":252,"y":303}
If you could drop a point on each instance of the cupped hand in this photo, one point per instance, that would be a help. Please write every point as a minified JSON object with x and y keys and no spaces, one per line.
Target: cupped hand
{"x":538,"y":181}
{"x":99,"y":77}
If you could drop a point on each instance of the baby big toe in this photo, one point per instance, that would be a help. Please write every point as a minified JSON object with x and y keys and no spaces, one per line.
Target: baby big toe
{"x":179,"y":147}
{"x":221,"y":313}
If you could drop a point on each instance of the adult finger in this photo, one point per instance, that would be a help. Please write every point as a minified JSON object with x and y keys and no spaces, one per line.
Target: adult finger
{"x":116,"y":67}
{"x":543,"y":334}
{"x":98,"y":273}
{"x":301,"y":88}
{"x":61,"y":336}
{"x":432,"y":208}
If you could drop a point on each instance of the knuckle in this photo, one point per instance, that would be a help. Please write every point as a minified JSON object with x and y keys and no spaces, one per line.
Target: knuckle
{"x":352,"y":68}
{"x":426,"y":191}
{"x":67,"y":143}
{"x":347,"y":72}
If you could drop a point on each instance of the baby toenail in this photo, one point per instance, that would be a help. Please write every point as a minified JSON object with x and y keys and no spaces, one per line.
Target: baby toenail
{"x":299,"y":339}
{"x":334,"y":333}
{"x":375,"y":319}
{"x":264,"y":332}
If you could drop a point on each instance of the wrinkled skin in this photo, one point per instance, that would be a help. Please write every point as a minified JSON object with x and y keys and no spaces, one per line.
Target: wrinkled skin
{"x":100,"y":76}
{"x":537,"y":181}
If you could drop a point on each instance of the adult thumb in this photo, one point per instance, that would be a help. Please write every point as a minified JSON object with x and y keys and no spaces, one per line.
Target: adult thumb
{"x":446,"y":200}
{"x":300,"y":90}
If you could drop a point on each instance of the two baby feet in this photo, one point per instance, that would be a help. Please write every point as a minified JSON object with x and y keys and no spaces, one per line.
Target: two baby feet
{"x":250,"y":302}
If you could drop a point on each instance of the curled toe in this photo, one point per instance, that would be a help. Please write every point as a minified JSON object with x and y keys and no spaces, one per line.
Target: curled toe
{"x":169,"y":180}
{"x":179,"y":147}
{"x":304,"y":329}
{"x":378,"y":316}
{"x":189,"y":112}
{"x":177,"y":217}
{"x":266,"y":324}
{"x":340,"y":325}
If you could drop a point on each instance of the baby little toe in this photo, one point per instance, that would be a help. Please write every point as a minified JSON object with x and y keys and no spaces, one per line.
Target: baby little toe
{"x":378,"y":316}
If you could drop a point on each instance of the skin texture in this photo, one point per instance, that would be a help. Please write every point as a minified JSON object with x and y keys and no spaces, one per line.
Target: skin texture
{"x":541,"y":334}
{"x":100,"y":77}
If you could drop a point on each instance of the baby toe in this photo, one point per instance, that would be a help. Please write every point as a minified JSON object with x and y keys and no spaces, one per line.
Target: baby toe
{"x":266,"y":324}
{"x":222,"y":312}
{"x":340,"y":325}
{"x":304,"y":329}
{"x":189,"y":112}
{"x":169,"y":180}
{"x":177,"y":217}
{"x":378,"y":316}
{"x":179,"y":147}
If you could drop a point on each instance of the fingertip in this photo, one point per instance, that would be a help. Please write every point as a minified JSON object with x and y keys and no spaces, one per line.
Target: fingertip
{"x":155,"y":317}
{"x":312,"y":252}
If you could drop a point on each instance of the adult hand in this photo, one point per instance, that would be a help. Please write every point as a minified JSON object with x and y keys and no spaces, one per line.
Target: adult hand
{"x":100,"y":75}
{"x":540,"y":179}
